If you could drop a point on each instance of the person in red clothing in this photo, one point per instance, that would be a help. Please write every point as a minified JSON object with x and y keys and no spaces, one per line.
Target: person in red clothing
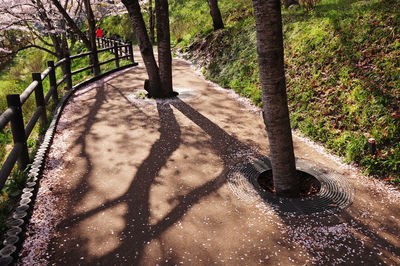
{"x":99,"y":33}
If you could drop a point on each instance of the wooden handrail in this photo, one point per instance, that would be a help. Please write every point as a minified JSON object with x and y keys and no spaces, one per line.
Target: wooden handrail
{"x":80,"y":55}
{"x":81,"y":70}
{"x":45,"y":73}
{"x":28,"y":91}
{"x":5,"y":117}
{"x":59,"y":63}
{"x":14,"y":115}
{"x":9,"y":163}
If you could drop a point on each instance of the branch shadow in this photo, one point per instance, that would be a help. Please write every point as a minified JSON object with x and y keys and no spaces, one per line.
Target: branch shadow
{"x":137,"y":225}
{"x":137,"y":216}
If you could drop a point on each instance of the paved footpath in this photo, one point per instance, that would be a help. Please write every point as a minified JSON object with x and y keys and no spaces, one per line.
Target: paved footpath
{"x":133,"y":181}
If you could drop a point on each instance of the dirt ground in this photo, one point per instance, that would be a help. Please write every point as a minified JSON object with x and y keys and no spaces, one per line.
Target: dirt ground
{"x":133,"y":181}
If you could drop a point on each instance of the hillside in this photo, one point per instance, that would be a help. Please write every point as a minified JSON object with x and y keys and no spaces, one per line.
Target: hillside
{"x":342,"y":64}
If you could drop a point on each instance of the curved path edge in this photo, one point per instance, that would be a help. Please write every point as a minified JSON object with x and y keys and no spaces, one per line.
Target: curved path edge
{"x":21,"y":216}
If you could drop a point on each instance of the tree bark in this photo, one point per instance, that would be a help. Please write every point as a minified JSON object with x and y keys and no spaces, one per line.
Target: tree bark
{"x":215,"y":14}
{"x":146,"y":49}
{"x":72,"y":24}
{"x":164,"y":48}
{"x":151,"y":22}
{"x":92,"y":37}
{"x":276,"y":114}
{"x":59,"y":40}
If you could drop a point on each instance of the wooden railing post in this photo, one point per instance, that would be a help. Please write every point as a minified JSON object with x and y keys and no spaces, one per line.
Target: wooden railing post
{"x":68,"y":70}
{"x":95,"y":61}
{"x":40,"y":98}
{"x":18,"y":130}
{"x":53,"y":80}
{"x":116,"y":53}
{"x":131,"y":52}
{"x":126,"y":48}
{"x":120,"y":49}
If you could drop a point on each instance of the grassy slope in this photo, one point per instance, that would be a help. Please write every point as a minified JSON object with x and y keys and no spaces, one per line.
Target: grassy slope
{"x":342,"y":63}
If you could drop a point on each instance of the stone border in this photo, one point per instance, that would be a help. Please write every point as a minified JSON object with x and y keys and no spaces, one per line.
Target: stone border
{"x":336,"y":192}
{"x":21,"y":216}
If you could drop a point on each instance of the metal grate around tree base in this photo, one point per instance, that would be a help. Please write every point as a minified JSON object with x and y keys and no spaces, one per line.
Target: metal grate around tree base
{"x":336,"y":192}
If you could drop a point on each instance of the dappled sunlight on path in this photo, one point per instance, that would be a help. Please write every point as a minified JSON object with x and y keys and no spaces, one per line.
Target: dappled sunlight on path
{"x":144,"y":182}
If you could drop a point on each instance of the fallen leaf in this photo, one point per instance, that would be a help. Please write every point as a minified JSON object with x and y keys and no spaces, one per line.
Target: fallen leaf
{"x":395,"y":115}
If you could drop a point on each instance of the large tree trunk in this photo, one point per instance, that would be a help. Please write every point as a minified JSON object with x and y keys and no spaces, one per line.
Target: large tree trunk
{"x":92,"y":37}
{"x":151,"y":22}
{"x":164,"y":48}
{"x":276,"y":113}
{"x":215,"y":14}
{"x":146,"y":49}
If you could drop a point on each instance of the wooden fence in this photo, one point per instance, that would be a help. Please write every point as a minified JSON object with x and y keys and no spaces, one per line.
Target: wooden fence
{"x":13,"y":114}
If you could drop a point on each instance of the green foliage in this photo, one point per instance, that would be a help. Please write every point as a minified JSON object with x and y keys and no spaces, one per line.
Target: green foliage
{"x":192,"y":18}
{"x":9,"y":196}
{"x":119,"y":25}
{"x":342,"y":65}
{"x":344,"y":54}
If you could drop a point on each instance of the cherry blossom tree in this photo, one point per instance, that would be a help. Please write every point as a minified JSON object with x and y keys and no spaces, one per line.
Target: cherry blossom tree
{"x":38,"y":19}
{"x":27,"y":20}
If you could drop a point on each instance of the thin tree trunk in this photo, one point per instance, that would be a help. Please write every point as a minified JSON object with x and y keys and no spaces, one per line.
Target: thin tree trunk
{"x":72,"y":24}
{"x":164,"y":48}
{"x":215,"y":14}
{"x":59,"y":40}
{"x":276,"y":113}
{"x":146,"y":49}
{"x":151,"y":22}
{"x":92,"y":37}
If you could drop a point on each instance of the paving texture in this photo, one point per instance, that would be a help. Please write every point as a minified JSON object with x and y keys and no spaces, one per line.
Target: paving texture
{"x":133,"y":181}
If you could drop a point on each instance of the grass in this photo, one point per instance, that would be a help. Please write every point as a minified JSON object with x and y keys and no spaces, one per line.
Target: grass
{"x":344,"y":73}
{"x":342,"y":65}
{"x":119,"y":25}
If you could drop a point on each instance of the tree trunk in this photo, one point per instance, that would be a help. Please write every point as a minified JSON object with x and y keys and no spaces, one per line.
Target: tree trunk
{"x":72,"y":25}
{"x":276,"y":113}
{"x":215,"y":14}
{"x":92,"y":37}
{"x":164,"y":48}
{"x":59,"y":41}
{"x":146,"y":49}
{"x":151,"y":22}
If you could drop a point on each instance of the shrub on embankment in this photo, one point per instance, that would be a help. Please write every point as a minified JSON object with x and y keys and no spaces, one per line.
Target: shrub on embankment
{"x":342,"y":65}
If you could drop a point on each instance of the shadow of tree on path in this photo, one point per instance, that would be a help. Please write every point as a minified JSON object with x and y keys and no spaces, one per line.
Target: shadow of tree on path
{"x":138,"y":195}
{"x":138,"y":230}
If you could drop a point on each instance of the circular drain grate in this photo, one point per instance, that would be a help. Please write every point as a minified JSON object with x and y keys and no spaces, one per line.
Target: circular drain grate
{"x":336,"y":192}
